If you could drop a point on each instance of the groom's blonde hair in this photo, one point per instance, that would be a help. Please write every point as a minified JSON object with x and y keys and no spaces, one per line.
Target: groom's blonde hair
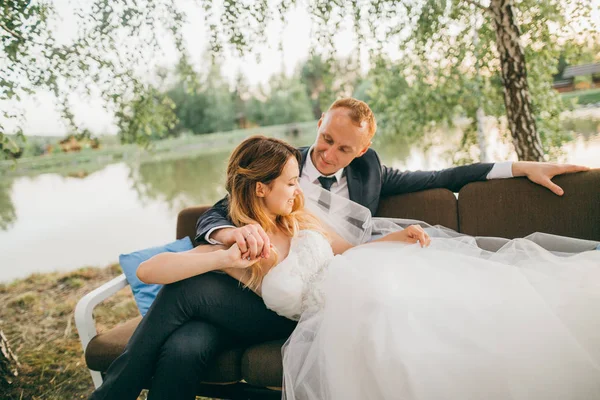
{"x":262,"y":159}
{"x":359,"y":113}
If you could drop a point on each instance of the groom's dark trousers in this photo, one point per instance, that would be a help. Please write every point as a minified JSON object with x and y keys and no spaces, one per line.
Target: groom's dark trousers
{"x":188,"y":324}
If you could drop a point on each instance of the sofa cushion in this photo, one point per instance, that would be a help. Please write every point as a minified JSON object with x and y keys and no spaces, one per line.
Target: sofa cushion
{"x":435,"y":206}
{"x":517,"y":207}
{"x":262,"y":364}
{"x":145,"y":293}
{"x":106,"y":346}
{"x":186,"y":221}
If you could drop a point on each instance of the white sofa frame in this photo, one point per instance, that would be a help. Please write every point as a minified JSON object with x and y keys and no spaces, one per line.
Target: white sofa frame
{"x":84,"y":317}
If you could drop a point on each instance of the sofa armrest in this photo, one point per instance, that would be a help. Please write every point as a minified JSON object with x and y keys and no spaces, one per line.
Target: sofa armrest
{"x":84,"y":319}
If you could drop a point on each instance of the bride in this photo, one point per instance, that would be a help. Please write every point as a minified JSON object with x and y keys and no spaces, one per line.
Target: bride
{"x":393,"y":309}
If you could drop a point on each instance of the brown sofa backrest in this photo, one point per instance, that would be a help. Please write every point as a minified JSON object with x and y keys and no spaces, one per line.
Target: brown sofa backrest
{"x":186,"y":221}
{"x":505,"y":207}
{"x":517,"y":207}
{"x":436,"y":206}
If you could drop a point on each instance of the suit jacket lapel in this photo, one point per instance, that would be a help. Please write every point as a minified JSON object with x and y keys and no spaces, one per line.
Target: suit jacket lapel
{"x":355,"y":187}
{"x":304,"y":153}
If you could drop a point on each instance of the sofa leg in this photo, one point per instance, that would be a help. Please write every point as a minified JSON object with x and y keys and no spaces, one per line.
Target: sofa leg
{"x":97,"y":378}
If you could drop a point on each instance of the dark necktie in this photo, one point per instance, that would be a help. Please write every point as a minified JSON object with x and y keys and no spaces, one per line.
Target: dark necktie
{"x":327,"y":182}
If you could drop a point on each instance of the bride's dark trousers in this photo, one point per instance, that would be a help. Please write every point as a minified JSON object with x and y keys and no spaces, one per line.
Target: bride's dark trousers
{"x":188,"y":324}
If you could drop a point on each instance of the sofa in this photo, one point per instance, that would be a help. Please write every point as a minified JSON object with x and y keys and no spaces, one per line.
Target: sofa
{"x":508,"y":208}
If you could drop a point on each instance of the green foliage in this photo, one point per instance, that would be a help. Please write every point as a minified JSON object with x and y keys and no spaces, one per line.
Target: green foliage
{"x":209,"y":106}
{"x":316,"y":75}
{"x":446,"y":73}
{"x":327,"y":79}
{"x":441,"y":72}
{"x":96,"y":59}
{"x":150,"y":116}
{"x":288,"y":102}
{"x":203,"y":108}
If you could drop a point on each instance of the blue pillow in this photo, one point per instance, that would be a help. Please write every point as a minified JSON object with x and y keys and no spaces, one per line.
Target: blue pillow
{"x":144,"y":293}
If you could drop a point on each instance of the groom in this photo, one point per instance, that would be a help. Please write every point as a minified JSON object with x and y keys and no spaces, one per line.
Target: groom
{"x":341,"y":161}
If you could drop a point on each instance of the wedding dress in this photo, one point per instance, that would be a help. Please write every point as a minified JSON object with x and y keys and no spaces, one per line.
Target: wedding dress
{"x":465,"y":318}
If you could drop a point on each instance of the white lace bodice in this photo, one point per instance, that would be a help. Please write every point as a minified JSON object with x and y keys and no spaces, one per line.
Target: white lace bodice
{"x":294,"y":285}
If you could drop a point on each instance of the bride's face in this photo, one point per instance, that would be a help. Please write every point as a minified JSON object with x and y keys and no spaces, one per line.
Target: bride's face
{"x":279,"y":196}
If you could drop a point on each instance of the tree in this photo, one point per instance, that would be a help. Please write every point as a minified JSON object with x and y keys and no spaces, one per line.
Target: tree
{"x":316,"y":75}
{"x":287,"y":102}
{"x":327,"y":79}
{"x":96,"y":59}
{"x":517,"y":99}
{"x":449,"y":74}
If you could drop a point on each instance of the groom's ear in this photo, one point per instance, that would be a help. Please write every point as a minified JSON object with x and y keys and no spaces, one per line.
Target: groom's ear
{"x":363,"y":151}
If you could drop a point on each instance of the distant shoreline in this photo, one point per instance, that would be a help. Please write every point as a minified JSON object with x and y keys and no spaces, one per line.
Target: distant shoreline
{"x":186,"y":145}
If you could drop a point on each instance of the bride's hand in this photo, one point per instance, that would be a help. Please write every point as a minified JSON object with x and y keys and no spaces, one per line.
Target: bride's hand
{"x":237,"y":259}
{"x":413,"y":234}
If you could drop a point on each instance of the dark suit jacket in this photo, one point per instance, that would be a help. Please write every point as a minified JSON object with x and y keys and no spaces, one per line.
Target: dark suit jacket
{"x":368,"y":181}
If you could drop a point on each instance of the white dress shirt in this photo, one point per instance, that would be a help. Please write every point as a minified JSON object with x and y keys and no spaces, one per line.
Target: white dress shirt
{"x":310,"y":175}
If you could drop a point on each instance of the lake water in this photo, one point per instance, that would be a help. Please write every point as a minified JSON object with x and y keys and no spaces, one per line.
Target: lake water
{"x":51,"y":222}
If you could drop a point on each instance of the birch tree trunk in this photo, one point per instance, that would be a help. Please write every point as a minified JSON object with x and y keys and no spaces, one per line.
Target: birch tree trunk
{"x":514,"y":76}
{"x":8,"y":362}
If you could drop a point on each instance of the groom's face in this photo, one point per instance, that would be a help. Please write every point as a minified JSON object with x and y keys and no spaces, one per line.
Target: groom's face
{"x":339,"y":141}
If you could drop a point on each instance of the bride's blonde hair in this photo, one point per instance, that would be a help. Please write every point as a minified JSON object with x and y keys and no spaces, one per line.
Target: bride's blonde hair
{"x":261,"y":159}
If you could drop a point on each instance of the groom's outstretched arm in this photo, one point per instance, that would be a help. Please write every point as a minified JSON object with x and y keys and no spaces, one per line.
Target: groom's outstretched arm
{"x":397,"y":182}
{"x":215,"y":217}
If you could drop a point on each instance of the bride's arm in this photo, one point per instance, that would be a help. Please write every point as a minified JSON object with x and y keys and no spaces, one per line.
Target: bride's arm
{"x":167,"y":267}
{"x":412,"y":234}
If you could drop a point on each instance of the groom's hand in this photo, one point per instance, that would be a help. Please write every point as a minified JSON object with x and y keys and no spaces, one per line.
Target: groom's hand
{"x":542,"y":173}
{"x":251,"y":239}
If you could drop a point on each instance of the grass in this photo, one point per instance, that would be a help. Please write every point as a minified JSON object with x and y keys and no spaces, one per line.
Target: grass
{"x":36,"y":315}
{"x":583,"y":97}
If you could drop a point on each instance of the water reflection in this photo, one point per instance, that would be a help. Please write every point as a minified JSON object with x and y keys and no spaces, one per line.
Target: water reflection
{"x":201,"y":179}
{"x":197,"y":180}
{"x":8,"y":214}
{"x":65,"y":223}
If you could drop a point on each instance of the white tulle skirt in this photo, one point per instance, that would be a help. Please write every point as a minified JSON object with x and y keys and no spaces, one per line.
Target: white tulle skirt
{"x":451,"y":321}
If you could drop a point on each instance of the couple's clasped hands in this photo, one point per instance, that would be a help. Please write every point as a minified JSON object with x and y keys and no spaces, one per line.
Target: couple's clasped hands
{"x":249,"y":244}
{"x":246,"y":245}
